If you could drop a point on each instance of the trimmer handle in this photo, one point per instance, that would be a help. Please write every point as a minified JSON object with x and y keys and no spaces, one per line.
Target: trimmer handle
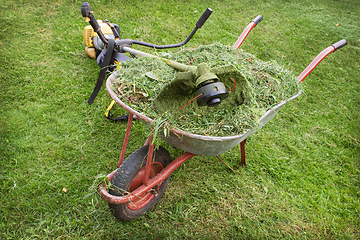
{"x":86,"y":9}
{"x":204,"y":17}
{"x":198,"y":25}
{"x":87,"y":13}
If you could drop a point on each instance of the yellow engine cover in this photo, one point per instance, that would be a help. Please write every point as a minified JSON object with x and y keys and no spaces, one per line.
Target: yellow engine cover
{"x":89,"y":33}
{"x":91,"y":52}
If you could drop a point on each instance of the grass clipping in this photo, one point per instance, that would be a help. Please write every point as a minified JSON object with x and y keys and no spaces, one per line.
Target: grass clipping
{"x":142,"y":80}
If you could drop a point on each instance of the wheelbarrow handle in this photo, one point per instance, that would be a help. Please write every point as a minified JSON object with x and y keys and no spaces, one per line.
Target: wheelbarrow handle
{"x":319,"y":58}
{"x":339,"y":44}
{"x":258,"y":19}
{"x":247,"y":30}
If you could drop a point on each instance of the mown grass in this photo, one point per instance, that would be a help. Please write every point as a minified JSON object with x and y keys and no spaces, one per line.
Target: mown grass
{"x":302,"y":177}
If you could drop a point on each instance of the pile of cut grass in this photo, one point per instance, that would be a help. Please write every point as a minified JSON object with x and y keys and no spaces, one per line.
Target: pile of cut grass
{"x":140,"y":81}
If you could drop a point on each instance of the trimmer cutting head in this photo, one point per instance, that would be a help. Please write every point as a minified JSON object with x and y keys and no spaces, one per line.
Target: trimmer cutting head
{"x":211,"y":94}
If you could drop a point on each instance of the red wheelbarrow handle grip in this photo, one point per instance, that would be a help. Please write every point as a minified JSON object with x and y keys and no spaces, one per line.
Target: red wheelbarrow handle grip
{"x":246,"y":31}
{"x":319,"y":58}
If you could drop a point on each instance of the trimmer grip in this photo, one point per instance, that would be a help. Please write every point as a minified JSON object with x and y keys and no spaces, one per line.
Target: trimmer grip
{"x":87,"y":13}
{"x":85,"y":9}
{"x":339,"y":44}
{"x":204,"y":17}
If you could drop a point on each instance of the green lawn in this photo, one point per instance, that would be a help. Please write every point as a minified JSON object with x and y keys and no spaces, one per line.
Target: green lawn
{"x":302,"y":177}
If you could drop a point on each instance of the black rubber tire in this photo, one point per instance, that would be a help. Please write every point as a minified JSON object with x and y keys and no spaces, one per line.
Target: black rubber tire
{"x":125,"y":175}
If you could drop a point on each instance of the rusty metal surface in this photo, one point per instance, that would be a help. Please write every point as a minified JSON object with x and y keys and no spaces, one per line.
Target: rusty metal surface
{"x":194,"y":143}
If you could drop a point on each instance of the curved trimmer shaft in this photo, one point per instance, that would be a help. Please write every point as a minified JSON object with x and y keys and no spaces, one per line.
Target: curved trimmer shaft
{"x":198,"y":25}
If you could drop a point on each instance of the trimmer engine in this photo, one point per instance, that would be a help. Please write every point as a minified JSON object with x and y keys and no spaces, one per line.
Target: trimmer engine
{"x":93,"y":43}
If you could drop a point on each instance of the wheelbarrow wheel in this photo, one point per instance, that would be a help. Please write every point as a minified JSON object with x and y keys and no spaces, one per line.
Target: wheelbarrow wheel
{"x":129,"y":177}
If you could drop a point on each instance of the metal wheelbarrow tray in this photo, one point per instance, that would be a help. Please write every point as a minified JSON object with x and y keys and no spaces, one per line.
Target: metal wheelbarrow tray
{"x":142,"y":178}
{"x":192,"y":144}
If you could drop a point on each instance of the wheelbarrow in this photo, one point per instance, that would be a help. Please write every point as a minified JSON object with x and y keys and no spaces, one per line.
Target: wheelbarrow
{"x":141,"y":179}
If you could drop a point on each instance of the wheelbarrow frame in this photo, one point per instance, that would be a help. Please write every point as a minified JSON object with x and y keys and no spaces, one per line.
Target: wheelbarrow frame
{"x":192,"y":144}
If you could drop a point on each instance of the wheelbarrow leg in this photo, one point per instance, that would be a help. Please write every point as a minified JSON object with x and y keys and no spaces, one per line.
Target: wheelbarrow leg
{"x":126,"y":139}
{"x":225,"y":163}
{"x":243,"y":155}
{"x":149,"y":160}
